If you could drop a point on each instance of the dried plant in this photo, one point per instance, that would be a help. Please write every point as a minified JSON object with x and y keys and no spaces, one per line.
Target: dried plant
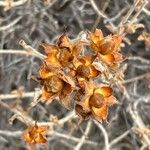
{"x":80,"y":77}
{"x":35,"y":135}
{"x":66,"y":57}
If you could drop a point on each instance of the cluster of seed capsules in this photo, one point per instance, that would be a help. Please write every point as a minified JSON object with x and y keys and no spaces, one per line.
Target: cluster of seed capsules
{"x":80,"y":73}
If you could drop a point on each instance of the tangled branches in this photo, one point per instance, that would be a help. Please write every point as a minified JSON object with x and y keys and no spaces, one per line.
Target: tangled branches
{"x":75,"y":72}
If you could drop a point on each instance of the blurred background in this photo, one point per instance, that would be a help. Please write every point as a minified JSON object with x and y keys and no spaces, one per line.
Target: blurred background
{"x":38,"y":21}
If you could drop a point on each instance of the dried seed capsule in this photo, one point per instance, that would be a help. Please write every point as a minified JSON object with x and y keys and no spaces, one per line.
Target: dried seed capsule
{"x":53,"y":84}
{"x":65,"y":57}
{"x":81,"y":113}
{"x":35,"y":135}
{"x":106,"y":46}
{"x":96,"y":100}
{"x":83,"y":71}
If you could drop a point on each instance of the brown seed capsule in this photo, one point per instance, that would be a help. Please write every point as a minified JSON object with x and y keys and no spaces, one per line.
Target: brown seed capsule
{"x":83,"y":71}
{"x":96,"y":100}
{"x":65,"y":56}
{"x":35,"y":135}
{"x":106,"y":46}
{"x":53,"y":84}
{"x":81,"y":113}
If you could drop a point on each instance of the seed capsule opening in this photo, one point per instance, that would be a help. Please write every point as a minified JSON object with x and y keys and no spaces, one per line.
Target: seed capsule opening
{"x":83,"y":71}
{"x":96,"y":100}
{"x":53,"y":84}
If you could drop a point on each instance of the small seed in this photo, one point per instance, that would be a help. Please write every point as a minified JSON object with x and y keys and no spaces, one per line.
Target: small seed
{"x":96,"y":100}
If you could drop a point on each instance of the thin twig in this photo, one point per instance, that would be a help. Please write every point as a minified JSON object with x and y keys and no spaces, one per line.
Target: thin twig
{"x":31,"y":50}
{"x":6,"y":27}
{"x":137,"y":78}
{"x":133,"y":19}
{"x":16,"y":95}
{"x":143,"y":60}
{"x":147,"y":12}
{"x":132,"y":8}
{"x":97,"y":10}
{"x":10,"y":133}
{"x":105,"y":135}
{"x":78,"y":140}
{"x":23,"y":117}
{"x":19,"y":52}
{"x":13,"y":4}
{"x":50,"y":133}
{"x":138,"y":121}
{"x":82,"y":139}
{"x":99,"y":17}
{"x":19,"y":115}
{"x":119,"y":138}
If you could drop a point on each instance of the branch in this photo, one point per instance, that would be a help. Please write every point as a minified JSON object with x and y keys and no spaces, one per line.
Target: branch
{"x":23,"y":117}
{"x":12,"y":4}
{"x":54,"y":133}
{"x":78,"y":140}
{"x":119,"y":138}
{"x":104,"y":133}
{"x":29,"y":51}
{"x":6,"y":27}
{"x":97,"y":10}
{"x":82,"y":139}
{"x":17,"y":95}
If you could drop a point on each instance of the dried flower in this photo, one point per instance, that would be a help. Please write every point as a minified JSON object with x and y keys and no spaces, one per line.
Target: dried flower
{"x":96,"y":101}
{"x":74,"y":47}
{"x":35,"y":135}
{"x":95,"y":38}
{"x":62,"y":54}
{"x":84,"y":68}
{"x":55,"y":84}
{"x":52,"y":59}
{"x":106,"y":47}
